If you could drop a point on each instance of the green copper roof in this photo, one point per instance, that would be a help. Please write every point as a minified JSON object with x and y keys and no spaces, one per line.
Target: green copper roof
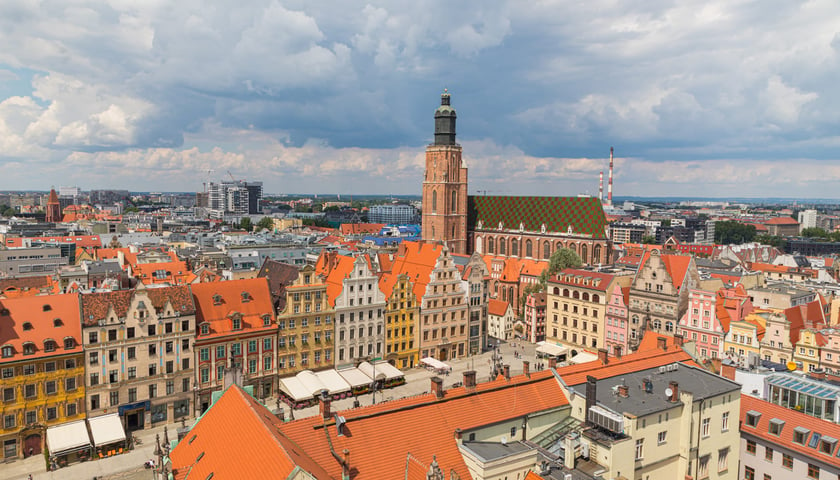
{"x":584,"y":214}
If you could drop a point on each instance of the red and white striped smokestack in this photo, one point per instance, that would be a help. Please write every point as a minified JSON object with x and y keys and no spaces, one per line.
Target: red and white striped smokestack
{"x":609,"y":185}
{"x":601,"y":187}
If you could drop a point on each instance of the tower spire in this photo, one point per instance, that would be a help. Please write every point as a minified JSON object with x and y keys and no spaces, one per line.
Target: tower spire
{"x":445,"y":121}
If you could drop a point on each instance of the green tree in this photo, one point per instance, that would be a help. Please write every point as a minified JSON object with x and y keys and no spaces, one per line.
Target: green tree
{"x":814,"y":232}
{"x":316,"y":222}
{"x":132,"y":210}
{"x":331,"y":208}
{"x":560,"y":260}
{"x":772,"y":240}
{"x":266,"y":223}
{"x":732,"y":232}
{"x":648,"y":239}
{"x":245,"y":224}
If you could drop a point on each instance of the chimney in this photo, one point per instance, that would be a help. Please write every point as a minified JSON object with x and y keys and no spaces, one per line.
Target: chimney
{"x":601,"y":187}
{"x":617,"y":351}
{"x":506,"y":370}
{"x":679,"y":339}
{"x":591,"y":392}
{"x":602,"y":356}
{"x":675,"y":391}
{"x":623,"y":391}
{"x":437,"y":387}
{"x":469,"y":380}
{"x":345,"y":466}
{"x":458,"y":435}
{"x":727,"y":371}
{"x":324,"y":405}
{"x":552,"y":363}
{"x":526,"y":368}
{"x":662,"y":343}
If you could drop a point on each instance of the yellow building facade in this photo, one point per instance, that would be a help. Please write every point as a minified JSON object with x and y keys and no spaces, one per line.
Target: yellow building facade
{"x":806,"y":352}
{"x":42,"y":370}
{"x":306,"y":327}
{"x":402,"y":347}
{"x":743,"y":340}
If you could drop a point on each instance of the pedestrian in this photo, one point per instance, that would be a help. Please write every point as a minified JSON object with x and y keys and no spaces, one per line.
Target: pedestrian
{"x":30,"y":477}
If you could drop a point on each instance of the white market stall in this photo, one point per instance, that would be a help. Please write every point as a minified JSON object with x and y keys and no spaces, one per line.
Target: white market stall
{"x":68,"y":442}
{"x":359,"y":382}
{"x":336,"y":385}
{"x":294,"y":393}
{"x":108,"y":434}
{"x":372,"y":372}
{"x":545,"y":349}
{"x":311,"y":382}
{"x":435,"y":364}
{"x":393,"y":375}
{"x":583,"y":357}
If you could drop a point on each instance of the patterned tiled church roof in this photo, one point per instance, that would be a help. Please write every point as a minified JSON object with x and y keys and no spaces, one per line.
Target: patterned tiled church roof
{"x":584,"y":214}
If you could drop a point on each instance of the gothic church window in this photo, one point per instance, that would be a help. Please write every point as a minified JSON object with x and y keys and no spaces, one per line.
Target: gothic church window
{"x":491,"y":248}
{"x":547,"y":250}
{"x":529,"y":249}
{"x":502,"y":245}
{"x":434,"y":203}
{"x":514,"y":248}
{"x":583,"y":254}
{"x":454,"y":201}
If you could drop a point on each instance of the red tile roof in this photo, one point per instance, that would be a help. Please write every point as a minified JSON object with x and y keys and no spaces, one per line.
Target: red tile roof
{"x":334,"y":268}
{"x":792,"y":419}
{"x":216,"y":302}
{"x":587,"y":279}
{"x":37,"y":319}
{"x":239,"y":438}
{"x":423,"y":425}
{"x":781,"y":221}
{"x":95,"y":306}
{"x":497,"y":307}
{"x":676,"y":266}
{"x":417,"y":260}
{"x":360,"y":228}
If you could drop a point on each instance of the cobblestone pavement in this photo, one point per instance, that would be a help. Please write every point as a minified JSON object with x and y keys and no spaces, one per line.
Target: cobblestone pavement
{"x":129,"y":466}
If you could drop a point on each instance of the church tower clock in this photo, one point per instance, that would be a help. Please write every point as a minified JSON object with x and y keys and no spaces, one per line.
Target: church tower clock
{"x":445,"y":184}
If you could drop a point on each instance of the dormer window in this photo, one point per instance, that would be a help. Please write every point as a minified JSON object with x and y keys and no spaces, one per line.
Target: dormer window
{"x":205,"y":329}
{"x":4,"y":312}
{"x":246,"y":297}
{"x":800,"y":435}
{"x":27,"y":326}
{"x":69,"y":343}
{"x":7,"y":351}
{"x":752,"y":418}
{"x":28,"y":348}
{"x":57,"y":322}
{"x":266,"y":320}
{"x":217,"y":299}
{"x":237,"y":323}
{"x":49,"y":345}
{"x":46,"y":308}
{"x":776,"y":426}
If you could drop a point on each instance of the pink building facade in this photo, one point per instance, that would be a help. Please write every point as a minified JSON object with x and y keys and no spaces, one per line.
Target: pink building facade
{"x":535,"y":317}
{"x":615,"y":330}
{"x":706,"y":321}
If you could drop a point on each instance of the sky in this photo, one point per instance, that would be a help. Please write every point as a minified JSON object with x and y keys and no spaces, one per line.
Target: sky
{"x":729,"y":98}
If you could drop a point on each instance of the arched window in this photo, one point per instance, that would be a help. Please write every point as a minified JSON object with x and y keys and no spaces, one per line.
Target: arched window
{"x":504,"y":294}
{"x":596,"y":298}
{"x":454,"y":202}
{"x":558,"y":247}
{"x":529,"y":248}
{"x":583,"y":254}
{"x":585,"y":296}
{"x":502,"y":244}
{"x":510,"y":295}
{"x":556,"y":291}
{"x":8,"y":351}
{"x":572,"y":247}
{"x":635,"y":319}
{"x":514,"y":248}
{"x":491,"y":247}
{"x":596,"y":255}
{"x":433,"y":232}
{"x":453,"y":232}
{"x":434,"y":201}
{"x":547,"y":250}
{"x":657,"y":324}
{"x":69,"y":343}
{"x":669,"y":326}
{"x":565,"y":292}
{"x":478,"y":244}
{"x":576,"y":295}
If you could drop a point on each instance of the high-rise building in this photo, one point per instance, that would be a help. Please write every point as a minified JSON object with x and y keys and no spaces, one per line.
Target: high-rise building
{"x":235,"y":197}
{"x":807,"y":219}
{"x":392,"y":214}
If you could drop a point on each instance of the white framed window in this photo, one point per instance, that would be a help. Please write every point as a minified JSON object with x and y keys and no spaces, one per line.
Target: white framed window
{"x":640,"y":448}
{"x":662,"y":437}
{"x":705,"y":427}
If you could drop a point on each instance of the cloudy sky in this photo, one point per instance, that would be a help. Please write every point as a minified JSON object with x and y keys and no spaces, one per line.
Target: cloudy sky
{"x":706,"y":98}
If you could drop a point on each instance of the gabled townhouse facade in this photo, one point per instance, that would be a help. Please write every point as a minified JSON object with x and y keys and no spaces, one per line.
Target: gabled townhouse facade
{"x":402,"y":343}
{"x":616,"y":331}
{"x":534,"y":317}
{"x":305,"y":325}
{"x":779,"y":337}
{"x":475,"y":282}
{"x":659,"y":293}
{"x":742,"y":343}
{"x":500,"y":320}
{"x":42,"y":365}
{"x":359,"y":307}
{"x":139,"y":354}
{"x":807,"y":351}
{"x":236,"y":334}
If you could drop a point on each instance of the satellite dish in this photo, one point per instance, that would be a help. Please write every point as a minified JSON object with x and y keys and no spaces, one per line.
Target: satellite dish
{"x":668,"y":392}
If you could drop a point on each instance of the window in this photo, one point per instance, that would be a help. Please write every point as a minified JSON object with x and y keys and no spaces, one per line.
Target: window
{"x":132,"y":373}
{"x":152,"y":390}
{"x":93,"y":337}
{"x":751,"y":447}
{"x":132,"y":353}
{"x":776,"y":426}
{"x":50,"y":387}
{"x":205,"y":375}
{"x":31,"y":417}
{"x":768,"y":454}
{"x":813,"y":471}
{"x":94,"y":402}
{"x":9,"y":421}
{"x":170,"y":387}
{"x":787,"y":461}
{"x":723,"y":459}
{"x":752,"y":418}
{"x":29,"y":391}
{"x":827,"y":445}
{"x":132,"y":395}
{"x":30,"y":369}
{"x":749,"y":473}
{"x":204,"y":354}
{"x":705,"y":427}
{"x":800,"y":434}
{"x":93,"y":358}
{"x":640,"y":445}
{"x":661,"y":438}
{"x":724,"y":421}
{"x":7,"y":351}
{"x":115,"y":398}
{"x":8,"y":394}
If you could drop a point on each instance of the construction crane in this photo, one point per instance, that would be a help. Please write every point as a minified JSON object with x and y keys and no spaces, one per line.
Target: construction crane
{"x":206,"y":178}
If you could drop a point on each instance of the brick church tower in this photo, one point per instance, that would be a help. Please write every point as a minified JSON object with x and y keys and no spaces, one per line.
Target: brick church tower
{"x":445,"y":184}
{"x":53,"y":208}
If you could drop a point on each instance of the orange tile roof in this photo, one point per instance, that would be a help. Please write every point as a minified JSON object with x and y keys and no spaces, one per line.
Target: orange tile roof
{"x":37,"y":319}
{"x":215,"y":302}
{"x":28,"y":286}
{"x":334,"y":268}
{"x":239,"y":438}
{"x":175,"y":272}
{"x":792,"y":419}
{"x":533,"y":476}
{"x":360,"y":228}
{"x":781,"y":221}
{"x":421,"y":426}
{"x":386,"y":263}
{"x":417,"y":260}
{"x":497,"y":307}
{"x":675,"y":265}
